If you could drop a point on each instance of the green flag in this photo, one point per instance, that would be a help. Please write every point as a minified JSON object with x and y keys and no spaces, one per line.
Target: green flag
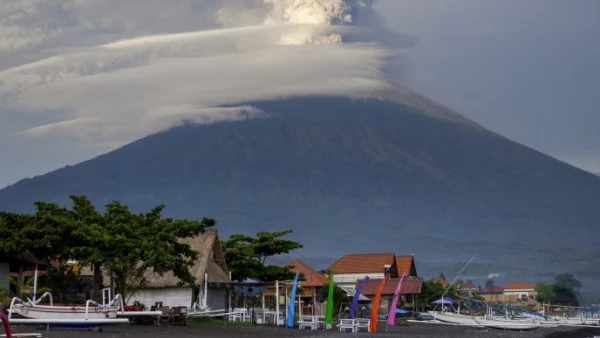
{"x":329,"y":311}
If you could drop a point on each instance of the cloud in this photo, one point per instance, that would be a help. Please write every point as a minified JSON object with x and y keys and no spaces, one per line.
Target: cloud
{"x":104,"y":72}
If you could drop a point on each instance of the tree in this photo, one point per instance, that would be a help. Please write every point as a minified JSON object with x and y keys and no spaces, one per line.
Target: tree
{"x":268,"y":244}
{"x":137,"y":242}
{"x":125,"y":243}
{"x":433,"y":291}
{"x":564,"y":290}
{"x":246,"y":256}
{"x":545,"y":292}
{"x":91,"y":240}
{"x":489,"y":283}
{"x":567,"y":280}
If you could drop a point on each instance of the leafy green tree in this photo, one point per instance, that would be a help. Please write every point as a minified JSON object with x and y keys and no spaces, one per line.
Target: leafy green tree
{"x":564,"y":295}
{"x":545,"y":292}
{"x":137,"y":242}
{"x":89,"y":247}
{"x":567,"y":280}
{"x":11,"y":234}
{"x":125,"y":243}
{"x":433,"y":291}
{"x":268,"y":244}
{"x":564,"y":290}
{"x":246,"y":256}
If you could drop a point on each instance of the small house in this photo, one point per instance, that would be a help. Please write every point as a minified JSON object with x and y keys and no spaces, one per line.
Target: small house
{"x":352,"y":267}
{"x":519,"y":291}
{"x":169,"y":290}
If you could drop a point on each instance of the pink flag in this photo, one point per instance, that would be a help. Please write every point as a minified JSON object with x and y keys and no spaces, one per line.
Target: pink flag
{"x":392,"y":315}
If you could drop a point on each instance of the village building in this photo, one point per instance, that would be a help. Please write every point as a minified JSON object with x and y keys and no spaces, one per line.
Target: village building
{"x":469,"y":289}
{"x":519,"y":292}
{"x":411,"y":289}
{"x":170,"y":291}
{"x":351,"y":269}
{"x":441,"y":281}
{"x":19,"y":269}
{"x":492,"y":293}
{"x":210,"y":263}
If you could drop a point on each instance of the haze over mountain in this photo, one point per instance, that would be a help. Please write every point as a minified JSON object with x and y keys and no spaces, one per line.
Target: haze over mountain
{"x":292,"y":123}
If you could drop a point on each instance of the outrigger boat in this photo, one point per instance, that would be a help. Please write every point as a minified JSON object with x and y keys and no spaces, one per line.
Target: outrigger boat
{"x":92,"y":314}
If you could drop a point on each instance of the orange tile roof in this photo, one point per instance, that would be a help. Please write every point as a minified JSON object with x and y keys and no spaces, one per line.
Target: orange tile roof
{"x":312,"y":277}
{"x":470,"y":286}
{"x":362,"y":263}
{"x":406,"y":264}
{"x":519,"y":286}
{"x":442,"y":281}
{"x":410,"y":286}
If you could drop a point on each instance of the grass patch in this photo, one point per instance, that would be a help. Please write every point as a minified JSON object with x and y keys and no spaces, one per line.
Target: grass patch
{"x":217,"y":322}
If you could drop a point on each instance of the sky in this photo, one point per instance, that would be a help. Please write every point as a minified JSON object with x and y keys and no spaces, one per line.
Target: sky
{"x":82,"y":77}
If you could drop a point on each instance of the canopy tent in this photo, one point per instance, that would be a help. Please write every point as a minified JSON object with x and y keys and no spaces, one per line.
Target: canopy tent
{"x":445,"y":300}
{"x":250,"y":287}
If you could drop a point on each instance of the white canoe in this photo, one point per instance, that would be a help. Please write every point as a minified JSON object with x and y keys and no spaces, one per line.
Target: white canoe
{"x":65,"y":312}
{"x":454,"y":318}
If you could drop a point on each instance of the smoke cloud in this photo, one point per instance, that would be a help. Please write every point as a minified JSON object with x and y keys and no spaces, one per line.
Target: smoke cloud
{"x":104,"y":73}
{"x":493,"y":275}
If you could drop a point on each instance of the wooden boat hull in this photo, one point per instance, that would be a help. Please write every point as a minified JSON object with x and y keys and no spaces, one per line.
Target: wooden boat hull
{"x":64,"y":312}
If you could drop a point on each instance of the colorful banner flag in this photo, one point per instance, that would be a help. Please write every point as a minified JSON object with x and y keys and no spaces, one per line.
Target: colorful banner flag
{"x":375,"y":305}
{"x":392,"y":314}
{"x":329,"y":310}
{"x":292,"y":303}
{"x":356,"y":297}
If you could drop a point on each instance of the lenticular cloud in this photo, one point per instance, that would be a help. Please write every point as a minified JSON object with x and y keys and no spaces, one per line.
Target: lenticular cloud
{"x":139,"y":66}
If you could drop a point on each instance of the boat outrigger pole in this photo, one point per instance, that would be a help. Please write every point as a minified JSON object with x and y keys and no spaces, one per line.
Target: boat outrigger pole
{"x":35,"y":278}
{"x":455,"y":278}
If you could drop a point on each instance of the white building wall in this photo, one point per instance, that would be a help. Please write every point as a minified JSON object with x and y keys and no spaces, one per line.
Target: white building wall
{"x":4,"y":270}
{"x":180,"y":296}
{"x":520,"y":292}
{"x":348,"y":280}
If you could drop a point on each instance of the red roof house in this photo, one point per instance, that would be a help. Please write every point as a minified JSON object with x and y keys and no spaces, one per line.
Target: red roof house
{"x":364,"y":264}
{"x":410,"y":286}
{"x":312,"y":278}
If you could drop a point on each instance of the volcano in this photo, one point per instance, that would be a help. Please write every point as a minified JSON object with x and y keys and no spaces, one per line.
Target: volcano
{"x":389,"y":172}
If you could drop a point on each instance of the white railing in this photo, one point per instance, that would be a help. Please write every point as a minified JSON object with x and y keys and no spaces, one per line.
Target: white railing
{"x":39,"y":300}
{"x":87,"y":306}
{"x":120,"y":298}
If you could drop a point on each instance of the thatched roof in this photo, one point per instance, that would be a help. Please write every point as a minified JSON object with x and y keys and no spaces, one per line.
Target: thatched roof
{"x":210,"y":261}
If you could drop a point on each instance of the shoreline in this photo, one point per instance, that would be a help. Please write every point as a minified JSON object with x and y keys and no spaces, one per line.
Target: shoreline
{"x":414,"y":330}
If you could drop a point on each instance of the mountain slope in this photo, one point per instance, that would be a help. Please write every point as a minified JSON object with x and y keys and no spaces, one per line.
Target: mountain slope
{"x":399,"y":175}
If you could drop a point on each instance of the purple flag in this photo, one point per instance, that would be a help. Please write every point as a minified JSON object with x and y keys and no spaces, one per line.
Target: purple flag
{"x":354,"y":304}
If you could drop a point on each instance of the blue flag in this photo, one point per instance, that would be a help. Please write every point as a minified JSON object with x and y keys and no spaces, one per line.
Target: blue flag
{"x":292,"y":303}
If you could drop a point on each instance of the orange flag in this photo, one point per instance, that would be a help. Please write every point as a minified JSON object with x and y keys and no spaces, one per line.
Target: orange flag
{"x":375,"y":306}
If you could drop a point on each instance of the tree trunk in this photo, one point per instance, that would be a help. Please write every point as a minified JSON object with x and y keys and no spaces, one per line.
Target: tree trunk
{"x":97,"y":282}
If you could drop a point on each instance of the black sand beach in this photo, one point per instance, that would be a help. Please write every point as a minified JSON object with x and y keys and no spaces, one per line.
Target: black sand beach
{"x":414,"y":330}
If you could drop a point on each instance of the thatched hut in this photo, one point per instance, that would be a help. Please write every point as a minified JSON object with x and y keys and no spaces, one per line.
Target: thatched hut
{"x":169,"y":290}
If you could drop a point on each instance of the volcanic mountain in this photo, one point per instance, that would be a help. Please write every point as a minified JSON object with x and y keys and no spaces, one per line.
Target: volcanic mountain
{"x":394,"y":172}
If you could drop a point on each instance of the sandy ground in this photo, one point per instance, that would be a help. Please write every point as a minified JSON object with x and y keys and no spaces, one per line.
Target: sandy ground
{"x":414,"y":330}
